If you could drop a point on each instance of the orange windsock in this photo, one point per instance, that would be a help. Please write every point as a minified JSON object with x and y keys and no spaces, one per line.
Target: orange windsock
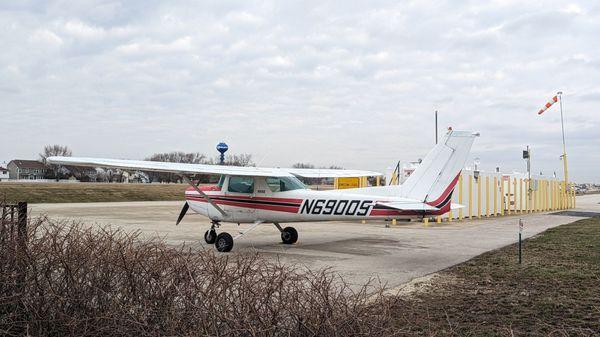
{"x":548,"y":105}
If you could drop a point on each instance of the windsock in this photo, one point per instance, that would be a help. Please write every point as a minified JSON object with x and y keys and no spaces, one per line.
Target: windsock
{"x":548,"y":105}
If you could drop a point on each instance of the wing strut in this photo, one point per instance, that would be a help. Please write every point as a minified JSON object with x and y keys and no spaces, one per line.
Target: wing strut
{"x":210,"y":201}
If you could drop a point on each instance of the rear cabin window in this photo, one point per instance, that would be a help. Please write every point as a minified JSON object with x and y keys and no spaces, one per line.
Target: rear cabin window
{"x":241,"y":185}
{"x":282,"y":184}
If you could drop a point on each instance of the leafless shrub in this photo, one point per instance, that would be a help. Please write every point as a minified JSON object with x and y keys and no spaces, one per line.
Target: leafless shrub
{"x":90,"y":282}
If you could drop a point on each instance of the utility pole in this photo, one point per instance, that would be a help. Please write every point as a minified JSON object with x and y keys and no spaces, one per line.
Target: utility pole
{"x":436,"y":127}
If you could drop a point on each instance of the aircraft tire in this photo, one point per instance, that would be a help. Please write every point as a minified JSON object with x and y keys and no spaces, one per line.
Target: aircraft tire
{"x":210,"y":236}
{"x":289,"y":235}
{"x":224,"y":242}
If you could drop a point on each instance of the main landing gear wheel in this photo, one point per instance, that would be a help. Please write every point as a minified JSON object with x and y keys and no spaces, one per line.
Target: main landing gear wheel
{"x":224,"y":242}
{"x":210,"y":236}
{"x":289,"y":235}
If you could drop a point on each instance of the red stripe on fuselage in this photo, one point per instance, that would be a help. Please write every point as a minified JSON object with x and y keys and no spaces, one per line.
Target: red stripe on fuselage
{"x":243,"y":197}
{"x":287,"y":209}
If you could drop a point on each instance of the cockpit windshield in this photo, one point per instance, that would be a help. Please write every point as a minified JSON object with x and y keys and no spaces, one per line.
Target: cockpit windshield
{"x":282,"y":184}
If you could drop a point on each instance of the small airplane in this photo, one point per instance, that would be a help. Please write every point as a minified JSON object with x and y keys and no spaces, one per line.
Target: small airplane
{"x":260,"y":195}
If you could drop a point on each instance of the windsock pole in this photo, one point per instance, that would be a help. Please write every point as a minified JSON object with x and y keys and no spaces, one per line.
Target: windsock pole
{"x":564,"y":156}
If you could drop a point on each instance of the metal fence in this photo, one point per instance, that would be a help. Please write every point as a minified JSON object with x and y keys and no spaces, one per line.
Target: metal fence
{"x":13,"y":246}
{"x":498,"y":194}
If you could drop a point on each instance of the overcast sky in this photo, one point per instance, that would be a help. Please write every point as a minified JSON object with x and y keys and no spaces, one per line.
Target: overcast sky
{"x":350,"y":84}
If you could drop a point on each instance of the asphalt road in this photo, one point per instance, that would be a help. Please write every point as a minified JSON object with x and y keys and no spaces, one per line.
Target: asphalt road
{"x":393,"y":255}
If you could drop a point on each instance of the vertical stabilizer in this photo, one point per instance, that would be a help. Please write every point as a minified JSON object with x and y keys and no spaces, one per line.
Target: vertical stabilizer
{"x":435,"y":178}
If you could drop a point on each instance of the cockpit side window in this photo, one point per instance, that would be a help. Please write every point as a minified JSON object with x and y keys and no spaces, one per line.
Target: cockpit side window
{"x":221,"y":181}
{"x":281,"y":184}
{"x":241,"y":184}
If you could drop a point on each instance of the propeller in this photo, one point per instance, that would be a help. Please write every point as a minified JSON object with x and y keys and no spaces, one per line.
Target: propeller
{"x":182,"y":213}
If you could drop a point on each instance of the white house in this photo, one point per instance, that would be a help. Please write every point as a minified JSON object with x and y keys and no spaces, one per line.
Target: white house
{"x":3,"y":173}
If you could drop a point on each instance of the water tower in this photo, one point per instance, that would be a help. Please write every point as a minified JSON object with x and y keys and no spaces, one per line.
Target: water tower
{"x":222,"y":148}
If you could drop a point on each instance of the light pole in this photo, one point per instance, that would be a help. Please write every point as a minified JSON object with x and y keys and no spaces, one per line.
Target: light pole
{"x":527,"y":155}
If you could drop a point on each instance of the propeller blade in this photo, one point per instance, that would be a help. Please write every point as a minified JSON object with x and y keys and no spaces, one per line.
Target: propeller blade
{"x":182,"y":214}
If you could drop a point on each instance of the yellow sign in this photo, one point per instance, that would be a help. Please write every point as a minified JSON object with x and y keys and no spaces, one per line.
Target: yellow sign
{"x":352,"y":182}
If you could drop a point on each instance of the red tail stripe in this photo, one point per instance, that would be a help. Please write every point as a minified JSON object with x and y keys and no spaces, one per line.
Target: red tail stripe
{"x":446,"y":192}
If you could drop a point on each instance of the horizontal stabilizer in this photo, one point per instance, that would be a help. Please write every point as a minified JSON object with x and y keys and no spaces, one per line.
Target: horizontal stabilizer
{"x":408,"y":206}
{"x":456,"y":206}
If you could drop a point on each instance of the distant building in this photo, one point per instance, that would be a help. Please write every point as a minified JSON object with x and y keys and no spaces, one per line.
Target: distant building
{"x":26,"y":169}
{"x":3,"y":173}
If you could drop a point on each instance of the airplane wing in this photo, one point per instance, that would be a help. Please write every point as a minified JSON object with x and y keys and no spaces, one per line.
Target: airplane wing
{"x":330,"y":173}
{"x":180,"y":168}
{"x":407,"y":206}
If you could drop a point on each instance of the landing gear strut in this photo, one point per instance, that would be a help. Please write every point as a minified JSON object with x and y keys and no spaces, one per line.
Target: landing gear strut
{"x":211,"y":235}
{"x":289,"y":235}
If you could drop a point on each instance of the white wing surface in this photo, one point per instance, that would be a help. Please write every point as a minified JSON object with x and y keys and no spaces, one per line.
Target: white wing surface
{"x":181,"y":168}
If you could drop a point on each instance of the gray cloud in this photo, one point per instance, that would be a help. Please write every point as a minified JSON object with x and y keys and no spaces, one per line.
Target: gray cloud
{"x":352,"y":84}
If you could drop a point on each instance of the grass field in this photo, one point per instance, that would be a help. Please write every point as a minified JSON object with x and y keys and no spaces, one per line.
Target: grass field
{"x":89,"y":192}
{"x":556,"y":291}
{"x":94,"y":192}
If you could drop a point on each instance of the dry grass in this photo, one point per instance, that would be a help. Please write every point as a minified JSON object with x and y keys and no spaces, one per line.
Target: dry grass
{"x":556,"y":291}
{"x":88,"y":282}
{"x":81,"y":281}
{"x":94,"y":192}
{"x":89,"y":192}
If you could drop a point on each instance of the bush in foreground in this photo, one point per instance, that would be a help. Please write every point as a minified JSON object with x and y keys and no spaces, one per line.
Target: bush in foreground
{"x":98,"y":282}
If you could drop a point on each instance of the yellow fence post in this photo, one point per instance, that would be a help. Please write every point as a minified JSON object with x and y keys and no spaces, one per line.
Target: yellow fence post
{"x":495,"y":196}
{"x":521,"y":195}
{"x":425,"y":221}
{"x":565,"y":197}
{"x":534,"y":196}
{"x":470,"y":196}
{"x":479,"y":197}
{"x":438,"y":219}
{"x":487,"y":196}
{"x":546,"y":194}
{"x":460,"y":196}
{"x":514,"y":202}
{"x":508,"y":197}
{"x":543,"y":190}
{"x":574,"y":197}
{"x":502,"y":200}
{"x":538,"y":199}
{"x":527,"y":195}
{"x":557,"y":195}
{"x":551,"y":201}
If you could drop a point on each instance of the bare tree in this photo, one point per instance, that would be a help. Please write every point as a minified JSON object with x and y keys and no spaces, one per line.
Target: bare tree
{"x":174,"y":157}
{"x":179,"y":157}
{"x":303,"y":165}
{"x":243,"y":159}
{"x":55,"y":150}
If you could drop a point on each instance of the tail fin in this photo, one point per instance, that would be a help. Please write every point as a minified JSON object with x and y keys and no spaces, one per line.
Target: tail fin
{"x":435,"y":178}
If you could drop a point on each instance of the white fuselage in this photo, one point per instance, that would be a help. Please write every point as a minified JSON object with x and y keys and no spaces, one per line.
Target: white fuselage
{"x":296,"y":205}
